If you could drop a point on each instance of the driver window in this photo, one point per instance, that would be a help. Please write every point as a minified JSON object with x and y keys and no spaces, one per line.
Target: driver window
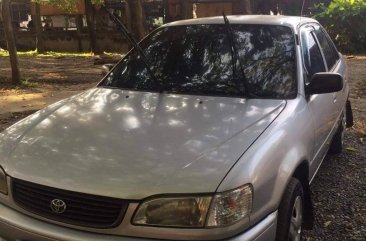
{"x":312,"y":57}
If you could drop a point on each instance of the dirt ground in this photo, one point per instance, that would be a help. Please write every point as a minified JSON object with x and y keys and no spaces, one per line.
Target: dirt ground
{"x":48,"y":79}
{"x":339,"y":190}
{"x":357,"y":73}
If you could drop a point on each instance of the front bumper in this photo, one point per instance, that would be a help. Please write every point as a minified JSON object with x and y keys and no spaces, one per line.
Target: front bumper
{"x":17,"y":226}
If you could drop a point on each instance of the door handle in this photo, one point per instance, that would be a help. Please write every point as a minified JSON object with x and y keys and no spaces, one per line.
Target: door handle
{"x":334,"y":97}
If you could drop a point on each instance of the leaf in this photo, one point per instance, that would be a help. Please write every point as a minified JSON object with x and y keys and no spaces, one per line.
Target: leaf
{"x":351,"y":149}
{"x":327,"y":223}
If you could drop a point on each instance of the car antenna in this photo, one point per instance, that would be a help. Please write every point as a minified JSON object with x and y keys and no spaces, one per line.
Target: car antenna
{"x":135,"y":44}
{"x":302,"y":9}
{"x":235,"y":54}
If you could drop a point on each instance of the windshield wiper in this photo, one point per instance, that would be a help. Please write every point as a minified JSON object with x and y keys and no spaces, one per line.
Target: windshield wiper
{"x":235,"y":55}
{"x":134,"y":43}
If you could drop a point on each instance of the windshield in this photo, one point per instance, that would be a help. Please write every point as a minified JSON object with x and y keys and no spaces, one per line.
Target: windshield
{"x":197,"y":59}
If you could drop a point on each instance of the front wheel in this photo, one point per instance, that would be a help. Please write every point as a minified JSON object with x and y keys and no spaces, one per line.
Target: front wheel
{"x":290,"y":213}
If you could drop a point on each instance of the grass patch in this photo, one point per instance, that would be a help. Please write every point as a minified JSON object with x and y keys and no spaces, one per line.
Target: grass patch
{"x":6,"y":84}
{"x":3,"y":53}
{"x":58,"y":54}
{"x":34,"y":53}
{"x":24,"y":84}
{"x":117,"y":55}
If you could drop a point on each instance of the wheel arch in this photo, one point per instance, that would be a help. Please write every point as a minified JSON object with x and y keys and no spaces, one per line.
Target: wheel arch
{"x":302,"y":174}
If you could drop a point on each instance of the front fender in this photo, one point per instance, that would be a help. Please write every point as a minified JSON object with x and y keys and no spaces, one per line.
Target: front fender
{"x":272,"y":159}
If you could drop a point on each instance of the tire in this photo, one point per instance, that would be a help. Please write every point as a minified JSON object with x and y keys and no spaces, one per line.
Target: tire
{"x":290,"y":213}
{"x":349,"y":114}
{"x":336,"y":146}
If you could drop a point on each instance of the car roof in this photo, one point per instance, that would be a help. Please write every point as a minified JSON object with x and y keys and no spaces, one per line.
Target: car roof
{"x":290,"y":21}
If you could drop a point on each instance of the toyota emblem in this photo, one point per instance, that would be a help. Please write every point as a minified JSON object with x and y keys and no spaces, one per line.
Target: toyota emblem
{"x":58,"y":206}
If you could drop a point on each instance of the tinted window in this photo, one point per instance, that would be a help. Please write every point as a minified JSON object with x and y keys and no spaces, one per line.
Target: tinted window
{"x":268,"y":56}
{"x":330,"y":53}
{"x":312,"y":57}
{"x":197,"y":59}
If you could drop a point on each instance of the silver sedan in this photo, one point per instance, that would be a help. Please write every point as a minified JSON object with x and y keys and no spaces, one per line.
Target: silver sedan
{"x":215,"y":135}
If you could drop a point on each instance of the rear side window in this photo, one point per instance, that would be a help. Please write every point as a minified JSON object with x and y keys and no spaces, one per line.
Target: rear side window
{"x":312,"y":57}
{"x":329,"y":51}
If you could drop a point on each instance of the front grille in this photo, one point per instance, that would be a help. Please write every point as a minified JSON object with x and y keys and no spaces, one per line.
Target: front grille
{"x":81,"y":209}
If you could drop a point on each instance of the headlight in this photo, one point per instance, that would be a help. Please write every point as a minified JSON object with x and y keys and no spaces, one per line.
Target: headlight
{"x":3,"y":183}
{"x":196,"y":212}
{"x":178,"y":212}
{"x":231,"y":206}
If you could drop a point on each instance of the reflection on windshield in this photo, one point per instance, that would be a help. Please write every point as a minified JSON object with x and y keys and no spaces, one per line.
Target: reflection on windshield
{"x":197,"y":59}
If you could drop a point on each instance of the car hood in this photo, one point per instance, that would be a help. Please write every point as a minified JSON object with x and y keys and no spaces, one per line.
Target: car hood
{"x":131,"y":145}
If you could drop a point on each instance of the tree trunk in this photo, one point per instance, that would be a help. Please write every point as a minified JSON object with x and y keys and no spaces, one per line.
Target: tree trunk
{"x":247,"y":7}
{"x":79,"y":28}
{"x":39,"y":29}
{"x":186,"y":10}
{"x":137,"y":18}
{"x":128,"y":17}
{"x":90,"y":14}
{"x":9,"y":35}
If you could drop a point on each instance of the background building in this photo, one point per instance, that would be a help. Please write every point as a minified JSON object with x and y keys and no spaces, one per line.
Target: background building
{"x":64,"y":30}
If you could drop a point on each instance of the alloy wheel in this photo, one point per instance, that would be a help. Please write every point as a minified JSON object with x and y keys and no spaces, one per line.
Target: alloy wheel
{"x":296,"y":221}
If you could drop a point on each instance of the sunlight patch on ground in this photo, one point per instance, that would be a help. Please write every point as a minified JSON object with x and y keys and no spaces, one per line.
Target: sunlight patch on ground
{"x":31,"y":101}
{"x":4,"y":53}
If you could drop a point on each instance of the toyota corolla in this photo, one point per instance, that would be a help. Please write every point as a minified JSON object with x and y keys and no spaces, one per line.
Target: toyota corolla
{"x":210,"y":129}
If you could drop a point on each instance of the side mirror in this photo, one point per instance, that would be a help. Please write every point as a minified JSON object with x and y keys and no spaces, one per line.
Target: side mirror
{"x":322,"y":83}
{"x":106,"y":68}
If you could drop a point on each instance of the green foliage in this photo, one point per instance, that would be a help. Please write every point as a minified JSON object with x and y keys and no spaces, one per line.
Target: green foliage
{"x":345,"y":22}
{"x":68,"y":5}
{"x":26,"y":83}
{"x":98,"y":2}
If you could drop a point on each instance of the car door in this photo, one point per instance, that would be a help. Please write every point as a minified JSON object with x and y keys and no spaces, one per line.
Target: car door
{"x":320,"y":105}
{"x":332,"y":59}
